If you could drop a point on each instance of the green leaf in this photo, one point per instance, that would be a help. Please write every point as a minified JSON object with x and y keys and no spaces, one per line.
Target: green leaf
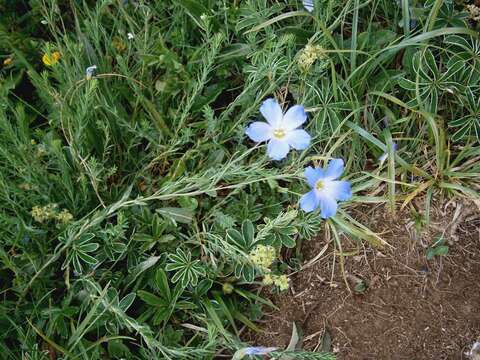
{"x":194,"y":7}
{"x":203,"y":287}
{"x":86,"y":248}
{"x":235,"y":237}
{"x":161,"y":281}
{"x":181,"y":215}
{"x":287,"y":241}
{"x":150,"y":298}
{"x":248,"y":232}
{"x":127,"y":301}
{"x":117,"y":350}
{"x":87,"y":258}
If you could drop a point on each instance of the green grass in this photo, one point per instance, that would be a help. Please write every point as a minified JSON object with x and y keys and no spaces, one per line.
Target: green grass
{"x":167,"y":196}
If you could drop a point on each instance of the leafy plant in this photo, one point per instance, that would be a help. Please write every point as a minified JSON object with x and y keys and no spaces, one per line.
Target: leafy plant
{"x":167,"y":197}
{"x":437,"y":249}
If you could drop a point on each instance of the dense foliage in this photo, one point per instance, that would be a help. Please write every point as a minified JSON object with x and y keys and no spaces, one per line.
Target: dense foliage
{"x":136,"y":218}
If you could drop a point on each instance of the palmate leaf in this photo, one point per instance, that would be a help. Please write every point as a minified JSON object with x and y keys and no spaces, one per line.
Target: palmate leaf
{"x":79,"y":255}
{"x":242,"y":240}
{"x":186,"y":271}
{"x":468,"y":125}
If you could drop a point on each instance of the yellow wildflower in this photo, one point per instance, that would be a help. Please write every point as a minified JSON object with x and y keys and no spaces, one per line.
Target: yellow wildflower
{"x":263,"y":256}
{"x":51,"y":59}
{"x":8,"y":61}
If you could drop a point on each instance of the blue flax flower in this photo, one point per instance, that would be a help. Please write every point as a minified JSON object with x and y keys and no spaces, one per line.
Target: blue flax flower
{"x":254,"y":350}
{"x":90,"y":71}
{"x":385,"y":155}
{"x":308,"y":4}
{"x":326,"y":190}
{"x":281,"y":130}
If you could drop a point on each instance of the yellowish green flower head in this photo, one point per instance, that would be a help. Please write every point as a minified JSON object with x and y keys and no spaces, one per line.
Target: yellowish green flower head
{"x":45,"y":213}
{"x":280,"y":281}
{"x":50,"y":212}
{"x":308,"y":55}
{"x":227,"y":288}
{"x":263,"y":256}
{"x":268,"y":280}
{"x":64,"y":216}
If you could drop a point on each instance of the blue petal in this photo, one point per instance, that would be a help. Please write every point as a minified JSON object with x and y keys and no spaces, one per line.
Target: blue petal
{"x":328,"y":205}
{"x":259,"y":131}
{"x":313,"y":175}
{"x":308,"y":4}
{"x":272,"y":112}
{"x":294,"y":117}
{"x":339,"y":190}
{"x":385,"y":155}
{"x":277,"y":149}
{"x":298,"y":139}
{"x":309,"y":202}
{"x":259,"y":350}
{"x":334,"y":169}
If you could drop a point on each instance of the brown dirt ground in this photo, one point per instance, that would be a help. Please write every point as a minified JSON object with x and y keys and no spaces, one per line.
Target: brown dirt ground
{"x":412,"y":309}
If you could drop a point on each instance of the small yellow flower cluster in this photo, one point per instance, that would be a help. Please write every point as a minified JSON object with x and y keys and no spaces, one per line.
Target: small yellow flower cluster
{"x":51,"y":59}
{"x":278,"y":280}
{"x":474,"y":12}
{"x":42,"y":214}
{"x":309,"y":54}
{"x":50,"y":212}
{"x":64,"y":216}
{"x":263,"y":256}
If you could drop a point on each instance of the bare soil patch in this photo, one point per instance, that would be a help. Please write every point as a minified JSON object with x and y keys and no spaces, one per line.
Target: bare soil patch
{"x":413,"y":308}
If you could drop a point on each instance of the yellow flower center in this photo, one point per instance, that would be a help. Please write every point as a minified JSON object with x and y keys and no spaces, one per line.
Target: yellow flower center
{"x":279,"y":133}
{"x":319,"y":185}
